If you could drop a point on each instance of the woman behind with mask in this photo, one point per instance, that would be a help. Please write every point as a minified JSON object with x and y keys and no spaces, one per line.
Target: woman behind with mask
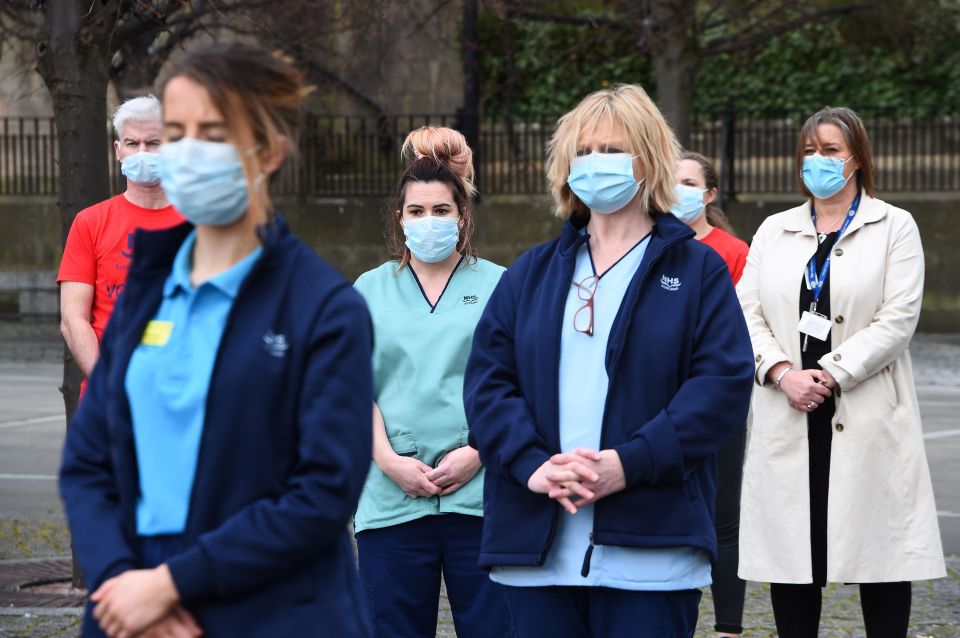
{"x":836,"y":486}
{"x":696,"y":192}
{"x":421,"y":511}
{"x":609,"y":367}
{"x":210,"y":474}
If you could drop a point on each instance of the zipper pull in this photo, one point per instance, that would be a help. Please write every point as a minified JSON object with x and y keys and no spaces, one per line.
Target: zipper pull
{"x":585,"y":570}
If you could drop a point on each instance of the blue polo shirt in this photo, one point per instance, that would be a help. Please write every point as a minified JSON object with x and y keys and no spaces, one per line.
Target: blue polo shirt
{"x":583,"y":394}
{"x":167,"y":382}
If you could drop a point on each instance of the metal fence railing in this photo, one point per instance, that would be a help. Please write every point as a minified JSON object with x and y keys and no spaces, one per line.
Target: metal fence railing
{"x":350,"y":156}
{"x":28,"y":156}
{"x":756,"y":152}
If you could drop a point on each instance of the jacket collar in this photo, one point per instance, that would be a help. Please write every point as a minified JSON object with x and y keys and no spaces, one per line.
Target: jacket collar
{"x":667,"y":228}
{"x":798,"y":219}
{"x":227,"y":282}
{"x":157,"y":249}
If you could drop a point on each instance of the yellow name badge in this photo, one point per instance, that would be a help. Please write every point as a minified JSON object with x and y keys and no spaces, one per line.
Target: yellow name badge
{"x":157,"y":333}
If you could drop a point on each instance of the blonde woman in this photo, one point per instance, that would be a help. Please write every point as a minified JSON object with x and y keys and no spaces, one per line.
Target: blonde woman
{"x":608,"y":368}
{"x":836,"y":486}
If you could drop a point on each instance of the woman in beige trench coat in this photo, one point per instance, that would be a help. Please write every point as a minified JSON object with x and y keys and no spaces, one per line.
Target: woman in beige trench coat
{"x":836,"y":486}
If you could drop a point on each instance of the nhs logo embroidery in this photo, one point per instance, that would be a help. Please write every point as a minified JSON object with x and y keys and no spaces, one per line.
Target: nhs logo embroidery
{"x":470,"y":299}
{"x":670,"y":283}
{"x":275,"y":344}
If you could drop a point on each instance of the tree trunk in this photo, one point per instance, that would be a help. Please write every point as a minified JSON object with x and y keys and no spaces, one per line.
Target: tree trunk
{"x":470,"y":123}
{"x":675,"y":57}
{"x":72,"y":60}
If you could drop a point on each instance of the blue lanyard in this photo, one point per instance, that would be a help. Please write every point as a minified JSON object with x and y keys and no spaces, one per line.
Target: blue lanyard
{"x":815,"y":281}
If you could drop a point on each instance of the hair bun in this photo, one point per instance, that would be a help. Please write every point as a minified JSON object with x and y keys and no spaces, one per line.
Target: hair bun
{"x":443,"y":145}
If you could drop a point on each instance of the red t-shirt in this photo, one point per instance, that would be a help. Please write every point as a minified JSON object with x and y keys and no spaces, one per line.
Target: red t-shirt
{"x":734,"y":251}
{"x":100,"y":246}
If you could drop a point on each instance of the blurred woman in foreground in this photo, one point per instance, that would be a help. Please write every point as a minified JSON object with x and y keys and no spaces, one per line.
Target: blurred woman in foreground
{"x":210,"y":474}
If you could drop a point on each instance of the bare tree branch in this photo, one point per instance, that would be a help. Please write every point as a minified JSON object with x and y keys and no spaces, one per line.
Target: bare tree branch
{"x":745,"y":40}
{"x":25,"y":20}
{"x":317,"y":71}
{"x":757,"y":23}
{"x":172,"y":13}
{"x":725,"y":17}
{"x":437,"y":8}
{"x":139,"y":24}
{"x":590,"y":21}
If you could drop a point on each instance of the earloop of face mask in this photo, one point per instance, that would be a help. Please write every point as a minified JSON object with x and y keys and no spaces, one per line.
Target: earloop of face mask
{"x":258,"y":181}
{"x":260,"y":178}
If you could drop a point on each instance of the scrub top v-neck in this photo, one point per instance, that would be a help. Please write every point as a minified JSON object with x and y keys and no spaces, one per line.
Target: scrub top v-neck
{"x":419,"y":359}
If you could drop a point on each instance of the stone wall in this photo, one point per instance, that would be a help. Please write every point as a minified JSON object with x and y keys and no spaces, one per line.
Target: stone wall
{"x":349,"y":233}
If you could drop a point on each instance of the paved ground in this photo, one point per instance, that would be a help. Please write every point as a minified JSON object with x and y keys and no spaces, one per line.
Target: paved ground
{"x":31,"y":520}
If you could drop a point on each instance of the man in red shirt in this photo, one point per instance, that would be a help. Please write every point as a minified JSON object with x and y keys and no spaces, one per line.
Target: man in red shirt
{"x":99,"y":247}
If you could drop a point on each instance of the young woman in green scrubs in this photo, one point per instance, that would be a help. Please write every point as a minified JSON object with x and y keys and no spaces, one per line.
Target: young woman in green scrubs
{"x":421,"y":511}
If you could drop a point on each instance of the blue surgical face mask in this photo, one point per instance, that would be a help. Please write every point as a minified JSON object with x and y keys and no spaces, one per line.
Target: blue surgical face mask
{"x":430,"y":238}
{"x":689,"y":204}
{"x":204,"y":181}
{"x":141,"y":168}
{"x":823,"y":176}
{"x":604,"y":182}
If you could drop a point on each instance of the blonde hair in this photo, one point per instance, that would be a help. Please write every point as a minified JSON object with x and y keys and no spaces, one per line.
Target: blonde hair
{"x":445,"y":146}
{"x":434,"y":154}
{"x":648,"y":138}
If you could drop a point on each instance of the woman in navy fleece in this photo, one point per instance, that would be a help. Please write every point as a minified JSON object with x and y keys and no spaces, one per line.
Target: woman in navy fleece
{"x":212,"y":469}
{"x":608,"y":368}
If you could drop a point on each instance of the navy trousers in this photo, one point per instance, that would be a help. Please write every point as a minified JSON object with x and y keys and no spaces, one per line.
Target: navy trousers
{"x":728,"y":590}
{"x":602,"y":612}
{"x":400,"y":568}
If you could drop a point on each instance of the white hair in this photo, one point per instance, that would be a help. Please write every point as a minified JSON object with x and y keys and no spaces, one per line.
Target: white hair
{"x":138,"y":108}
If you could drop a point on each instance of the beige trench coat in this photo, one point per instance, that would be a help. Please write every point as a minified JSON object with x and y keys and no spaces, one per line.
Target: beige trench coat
{"x":881,"y":518}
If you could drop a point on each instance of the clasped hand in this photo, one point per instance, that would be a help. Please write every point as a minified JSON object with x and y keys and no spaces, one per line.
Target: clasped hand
{"x":142,"y":603}
{"x":579,"y":478}
{"x":806,"y":390}
{"x":417,"y":479}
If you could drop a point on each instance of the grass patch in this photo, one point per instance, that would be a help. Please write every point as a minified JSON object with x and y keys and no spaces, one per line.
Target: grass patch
{"x":21,"y":539}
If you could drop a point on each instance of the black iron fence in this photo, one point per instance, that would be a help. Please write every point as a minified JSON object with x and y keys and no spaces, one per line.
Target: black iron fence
{"x":28,"y":156}
{"x":346,"y":155}
{"x":755,"y":153}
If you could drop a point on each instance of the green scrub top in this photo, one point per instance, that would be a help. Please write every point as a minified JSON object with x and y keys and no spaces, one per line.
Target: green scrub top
{"x":419,"y":358}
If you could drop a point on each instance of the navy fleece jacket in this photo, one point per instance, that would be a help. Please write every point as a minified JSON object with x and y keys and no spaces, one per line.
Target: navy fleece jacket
{"x":680,"y":369}
{"x":285,"y":449}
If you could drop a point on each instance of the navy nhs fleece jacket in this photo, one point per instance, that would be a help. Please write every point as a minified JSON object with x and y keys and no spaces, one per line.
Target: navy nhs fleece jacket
{"x":680,"y":369}
{"x":286,"y":447}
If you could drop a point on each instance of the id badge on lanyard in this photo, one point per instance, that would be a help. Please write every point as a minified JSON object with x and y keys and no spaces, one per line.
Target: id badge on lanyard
{"x":812,"y":323}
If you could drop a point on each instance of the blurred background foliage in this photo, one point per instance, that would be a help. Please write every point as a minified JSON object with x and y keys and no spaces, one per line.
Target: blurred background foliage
{"x":895,"y":56}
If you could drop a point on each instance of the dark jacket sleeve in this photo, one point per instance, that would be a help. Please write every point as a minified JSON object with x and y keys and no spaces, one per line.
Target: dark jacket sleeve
{"x":713,"y":400}
{"x":272,"y":537}
{"x":88,"y":483}
{"x":502,"y":428}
